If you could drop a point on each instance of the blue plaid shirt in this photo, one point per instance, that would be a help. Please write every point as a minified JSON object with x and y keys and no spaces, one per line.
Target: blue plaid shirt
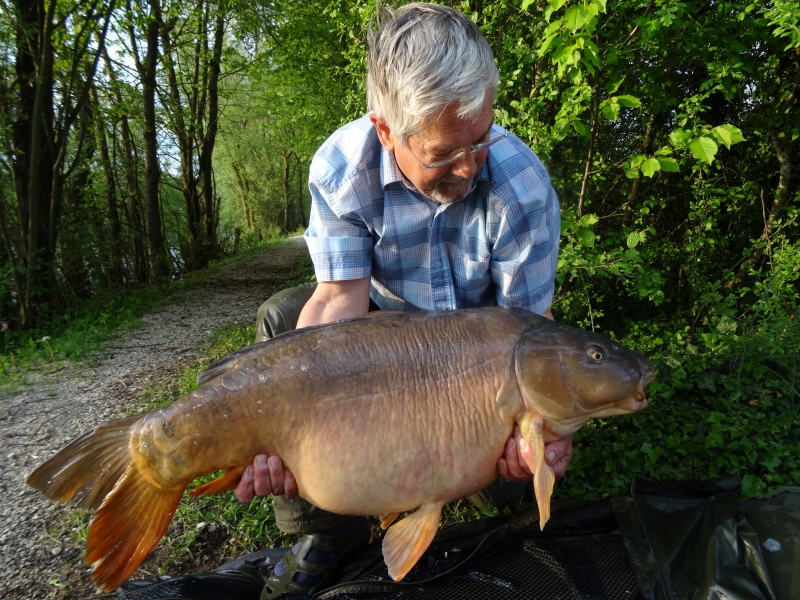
{"x":499,"y":245}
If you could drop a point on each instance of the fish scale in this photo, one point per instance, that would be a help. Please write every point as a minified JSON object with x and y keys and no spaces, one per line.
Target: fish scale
{"x":374,"y":416}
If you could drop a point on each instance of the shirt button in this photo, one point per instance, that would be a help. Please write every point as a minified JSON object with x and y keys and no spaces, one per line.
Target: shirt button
{"x":437,"y":264}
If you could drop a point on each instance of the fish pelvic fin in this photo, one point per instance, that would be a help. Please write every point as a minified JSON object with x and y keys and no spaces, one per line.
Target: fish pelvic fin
{"x":225,"y":482}
{"x":87,"y":469}
{"x":388,"y":519}
{"x":407,"y":540}
{"x":544,"y":477}
{"x":129,"y":523}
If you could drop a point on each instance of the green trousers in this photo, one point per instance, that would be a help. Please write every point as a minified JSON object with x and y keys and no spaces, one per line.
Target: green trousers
{"x":280,"y":314}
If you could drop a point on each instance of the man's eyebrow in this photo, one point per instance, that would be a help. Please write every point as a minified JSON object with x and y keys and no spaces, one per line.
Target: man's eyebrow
{"x":449,"y":149}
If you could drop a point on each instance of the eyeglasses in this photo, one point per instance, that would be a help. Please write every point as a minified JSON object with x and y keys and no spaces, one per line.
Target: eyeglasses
{"x":456,"y":156}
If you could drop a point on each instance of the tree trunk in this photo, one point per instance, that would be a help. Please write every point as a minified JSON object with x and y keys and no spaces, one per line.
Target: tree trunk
{"x":152,"y":170}
{"x":132,"y":208}
{"x":784,"y":151}
{"x":115,"y":275}
{"x":630,"y":205}
{"x":33,"y":163}
{"x":285,"y":180}
{"x":205,"y":164}
{"x":300,"y":194}
{"x":244,"y":190}
{"x":592,"y":137}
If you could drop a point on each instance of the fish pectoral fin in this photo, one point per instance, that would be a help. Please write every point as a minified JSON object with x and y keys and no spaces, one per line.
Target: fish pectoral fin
{"x":407,"y":540}
{"x":388,"y":519}
{"x":543,"y":480}
{"x":543,"y":475}
{"x":126,"y":526}
{"x":225,"y":482}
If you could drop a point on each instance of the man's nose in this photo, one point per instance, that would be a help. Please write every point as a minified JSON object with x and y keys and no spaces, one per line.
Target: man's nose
{"x":466,"y":166}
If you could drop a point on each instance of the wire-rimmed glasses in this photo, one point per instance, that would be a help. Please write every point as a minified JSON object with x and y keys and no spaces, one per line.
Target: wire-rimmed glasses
{"x":457,"y":155}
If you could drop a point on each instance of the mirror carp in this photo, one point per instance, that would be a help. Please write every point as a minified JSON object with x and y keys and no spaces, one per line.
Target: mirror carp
{"x":380,"y":415}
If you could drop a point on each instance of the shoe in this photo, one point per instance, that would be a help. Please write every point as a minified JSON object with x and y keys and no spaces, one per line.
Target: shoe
{"x":310,"y":565}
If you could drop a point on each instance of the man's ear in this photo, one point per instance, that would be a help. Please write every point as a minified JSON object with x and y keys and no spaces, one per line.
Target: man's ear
{"x":384,"y":134}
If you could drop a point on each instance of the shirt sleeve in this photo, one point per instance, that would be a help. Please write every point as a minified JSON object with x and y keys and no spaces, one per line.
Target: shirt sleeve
{"x":525,"y":252}
{"x":340,"y":247}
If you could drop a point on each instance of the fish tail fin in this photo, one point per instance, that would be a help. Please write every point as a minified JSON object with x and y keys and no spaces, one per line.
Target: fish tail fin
{"x":130,"y":521}
{"x":406,"y":541}
{"x":87,"y":469}
{"x":225,"y":482}
{"x":96,"y":469}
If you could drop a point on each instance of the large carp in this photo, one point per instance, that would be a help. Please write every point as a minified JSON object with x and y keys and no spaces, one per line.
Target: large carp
{"x":373,"y":416}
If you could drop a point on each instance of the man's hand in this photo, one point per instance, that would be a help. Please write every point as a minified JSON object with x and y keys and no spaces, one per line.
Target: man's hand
{"x":518,"y":454}
{"x":264,"y":477}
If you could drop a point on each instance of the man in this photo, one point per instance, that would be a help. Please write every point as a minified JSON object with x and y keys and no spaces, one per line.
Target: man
{"x":423,"y":204}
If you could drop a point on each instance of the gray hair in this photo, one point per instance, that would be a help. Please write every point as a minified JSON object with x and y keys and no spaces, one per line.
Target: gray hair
{"x":422,"y":58}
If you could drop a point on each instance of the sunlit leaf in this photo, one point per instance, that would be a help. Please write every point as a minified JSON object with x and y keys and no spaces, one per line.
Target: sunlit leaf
{"x":581,"y":128}
{"x":704,"y":149}
{"x":586,"y":237}
{"x":679,"y":135}
{"x":734,"y":132}
{"x":669,"y":165}
{"x":629,"y":101}
{"x":723,"y":136}
{"x":650,"y":167}
{"x":576,"y":17}
{"x":632,"y":173}
{"x":633,"y":239}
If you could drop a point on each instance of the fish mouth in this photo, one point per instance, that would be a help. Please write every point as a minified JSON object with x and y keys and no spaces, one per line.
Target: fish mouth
{"x":636,"y":402}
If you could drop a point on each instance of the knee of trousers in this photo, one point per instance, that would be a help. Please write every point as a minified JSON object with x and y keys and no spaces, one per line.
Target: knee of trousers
{"x":299,"y":516}
{"x":281,"y":312}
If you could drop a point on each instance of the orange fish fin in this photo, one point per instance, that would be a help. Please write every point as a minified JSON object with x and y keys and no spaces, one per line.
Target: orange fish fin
{"x":228,"y":481}
{"x":407,"y":540}
{"x":388,"y":519}
{"x":86,"y":470}
{"x":130,"y":521}
{"x":543,"y":475}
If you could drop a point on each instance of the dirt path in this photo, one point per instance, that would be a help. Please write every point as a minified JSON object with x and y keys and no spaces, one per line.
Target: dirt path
{"x":45,"y":415}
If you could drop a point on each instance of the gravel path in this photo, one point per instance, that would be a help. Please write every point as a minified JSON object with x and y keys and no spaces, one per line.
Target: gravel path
{"x":55,"y":408}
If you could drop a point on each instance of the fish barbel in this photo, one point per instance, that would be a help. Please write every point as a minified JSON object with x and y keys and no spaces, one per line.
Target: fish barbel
{"x":373,"y":416}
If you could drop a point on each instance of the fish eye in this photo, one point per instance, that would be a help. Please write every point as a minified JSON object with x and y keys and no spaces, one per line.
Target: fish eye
{"x":596,"y":353}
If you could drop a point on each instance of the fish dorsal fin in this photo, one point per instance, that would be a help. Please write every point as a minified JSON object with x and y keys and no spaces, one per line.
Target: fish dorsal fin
{"x":226,"y":364}
{"x":532,"y":428}
{"x":406,"y":541}
{"x":229,"y":362}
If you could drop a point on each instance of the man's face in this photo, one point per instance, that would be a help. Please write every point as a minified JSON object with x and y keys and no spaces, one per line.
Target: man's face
{"x":441,"y":138}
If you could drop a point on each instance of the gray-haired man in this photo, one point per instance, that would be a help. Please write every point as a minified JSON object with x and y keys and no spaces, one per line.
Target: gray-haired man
{"x":423,"y":204}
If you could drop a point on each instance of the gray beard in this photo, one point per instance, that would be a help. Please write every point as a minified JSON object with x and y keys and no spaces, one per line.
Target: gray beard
{"x":440,"y":198}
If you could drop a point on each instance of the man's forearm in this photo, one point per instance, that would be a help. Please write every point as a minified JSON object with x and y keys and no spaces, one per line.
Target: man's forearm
{"x":336,"y":300}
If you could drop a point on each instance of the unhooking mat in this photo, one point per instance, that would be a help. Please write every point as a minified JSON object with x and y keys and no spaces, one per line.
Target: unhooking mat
{"x":664,"y":541}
